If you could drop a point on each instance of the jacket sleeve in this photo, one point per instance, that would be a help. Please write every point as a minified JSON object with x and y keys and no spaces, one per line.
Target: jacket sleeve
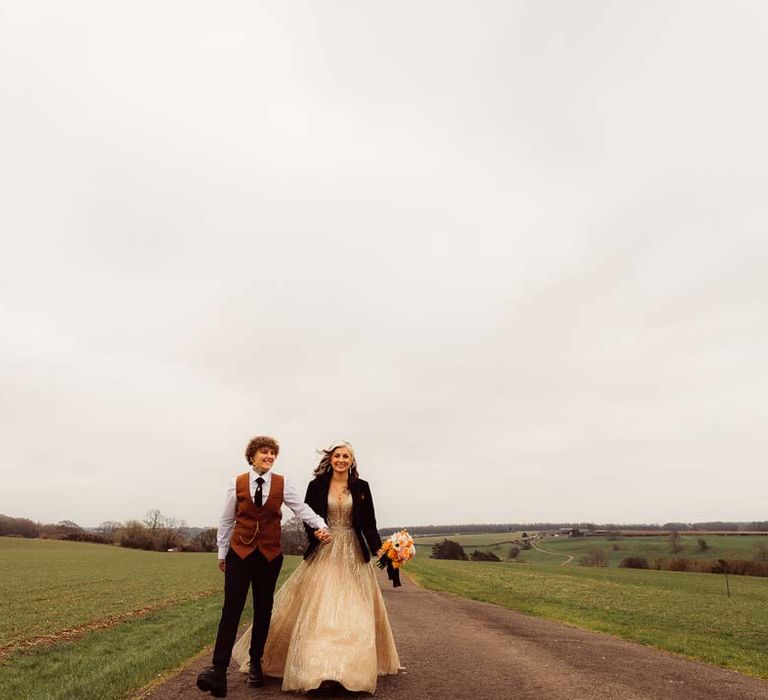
{"x":368,"y":520}
{"x":311,"y":500}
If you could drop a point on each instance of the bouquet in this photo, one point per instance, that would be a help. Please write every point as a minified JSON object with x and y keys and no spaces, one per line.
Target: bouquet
{"x":395,"y":551}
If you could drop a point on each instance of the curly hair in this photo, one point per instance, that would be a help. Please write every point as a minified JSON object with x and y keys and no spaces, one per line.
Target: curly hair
{"x":260,"y":441}
{"x":324,"y":467}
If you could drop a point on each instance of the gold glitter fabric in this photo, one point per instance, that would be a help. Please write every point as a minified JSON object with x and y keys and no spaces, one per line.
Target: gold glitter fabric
{"x":329,"y":621}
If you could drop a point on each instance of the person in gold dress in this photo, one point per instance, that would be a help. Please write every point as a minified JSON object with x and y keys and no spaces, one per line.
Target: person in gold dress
{"x":329,"y":622}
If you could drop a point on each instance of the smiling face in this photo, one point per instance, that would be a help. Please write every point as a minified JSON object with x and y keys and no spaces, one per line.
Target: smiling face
{"x":263,"y":459}
{"x":342,"y":459}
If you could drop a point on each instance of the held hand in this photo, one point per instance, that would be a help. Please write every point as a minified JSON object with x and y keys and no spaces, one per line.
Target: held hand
{"x":323,"y":536}
{"x":222,"y":564}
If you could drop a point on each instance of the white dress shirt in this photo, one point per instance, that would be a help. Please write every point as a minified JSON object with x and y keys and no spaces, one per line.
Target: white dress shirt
{"x":291,"y":498}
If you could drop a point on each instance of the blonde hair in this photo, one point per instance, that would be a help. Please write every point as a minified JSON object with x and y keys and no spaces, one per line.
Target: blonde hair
{"x":324,"y":467}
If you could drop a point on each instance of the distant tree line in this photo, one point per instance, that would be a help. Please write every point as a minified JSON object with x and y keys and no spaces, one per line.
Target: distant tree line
{"x":757,"y":566}
{"x":159,"y":533}
{"x":18,"y":527}
{"x":716,"y":525}
{"x":156,"y":532}
{"x":737,"y":567}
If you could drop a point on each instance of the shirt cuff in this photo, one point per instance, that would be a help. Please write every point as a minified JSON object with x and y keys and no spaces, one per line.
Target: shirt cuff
{"x":223,"y":552}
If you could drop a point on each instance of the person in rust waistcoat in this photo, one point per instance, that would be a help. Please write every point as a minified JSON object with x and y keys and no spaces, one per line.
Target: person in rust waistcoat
{"x":249,"y":555}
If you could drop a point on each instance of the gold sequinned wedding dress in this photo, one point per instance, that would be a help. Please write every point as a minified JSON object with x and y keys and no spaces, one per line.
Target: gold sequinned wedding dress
{"x":329,"y":621}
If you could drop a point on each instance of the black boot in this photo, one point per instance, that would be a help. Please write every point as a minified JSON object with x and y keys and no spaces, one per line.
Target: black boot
{"x":213,"y":680}
{"x":255,"y":675}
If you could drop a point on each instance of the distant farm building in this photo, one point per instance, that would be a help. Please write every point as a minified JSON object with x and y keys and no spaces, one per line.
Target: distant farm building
{"x":570,"y":532}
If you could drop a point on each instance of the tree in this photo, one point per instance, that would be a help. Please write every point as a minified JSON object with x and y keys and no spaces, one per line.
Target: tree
{"x":168,"y":535}
{"x":108,"y":529}
{"x":477,"y":555}
{"x":21,"y":527}
{"x":205,"y":540}
{"x":134,"y":534}
{"x":674,"y":541}
{"x":701,"y":543}
{"x":761,"y":552}
{"x":62,"y":530}
{"x":513,"y":552}
{"x":595,"y":557}
{"x":154,"y":520}
{"x":634,"y":563}
{"x":293,"y":537}
{"x":448,"y":549}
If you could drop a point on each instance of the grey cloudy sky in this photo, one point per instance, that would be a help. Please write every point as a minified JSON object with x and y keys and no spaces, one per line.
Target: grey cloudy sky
{"x":515,"y":252}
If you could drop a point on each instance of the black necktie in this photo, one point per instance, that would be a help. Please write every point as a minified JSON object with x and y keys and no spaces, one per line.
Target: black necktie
{"x":257,"y":499}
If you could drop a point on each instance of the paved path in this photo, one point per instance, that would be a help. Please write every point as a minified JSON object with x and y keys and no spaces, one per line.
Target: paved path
{"x":454,"y":649}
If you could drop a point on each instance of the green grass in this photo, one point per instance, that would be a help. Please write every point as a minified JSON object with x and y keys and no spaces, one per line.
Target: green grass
{"x":113,"y":662}
{"x":496,"y":542}
{"x":720,"y":546}
{"x":47,"y":586}
{"x":684,"y":613}
{"x":480,"y":539}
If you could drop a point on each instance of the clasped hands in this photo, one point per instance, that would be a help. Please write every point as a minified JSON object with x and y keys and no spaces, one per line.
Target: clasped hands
{"x":323,"y":536}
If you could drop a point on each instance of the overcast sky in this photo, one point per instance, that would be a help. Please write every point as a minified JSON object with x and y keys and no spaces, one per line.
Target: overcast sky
{"x":514,"y":252}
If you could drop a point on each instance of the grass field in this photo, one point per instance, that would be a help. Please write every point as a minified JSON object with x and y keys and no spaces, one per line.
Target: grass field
{"x":684,"y":613}
{"x":719,"y":546}
{"x":49,"y":587}
{"x":480,"y":539}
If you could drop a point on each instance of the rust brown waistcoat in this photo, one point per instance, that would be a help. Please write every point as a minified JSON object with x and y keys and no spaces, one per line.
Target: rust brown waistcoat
{"x":257,"y":528}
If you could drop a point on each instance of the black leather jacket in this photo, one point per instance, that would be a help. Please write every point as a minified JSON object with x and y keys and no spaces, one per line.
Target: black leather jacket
{"x":363,"y":514}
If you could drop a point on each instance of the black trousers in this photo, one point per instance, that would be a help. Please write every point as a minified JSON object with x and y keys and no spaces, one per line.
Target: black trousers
{"x":241,"y":574}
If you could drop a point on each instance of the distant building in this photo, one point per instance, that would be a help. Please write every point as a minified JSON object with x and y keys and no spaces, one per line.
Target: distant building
{"x":570,"y":532}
